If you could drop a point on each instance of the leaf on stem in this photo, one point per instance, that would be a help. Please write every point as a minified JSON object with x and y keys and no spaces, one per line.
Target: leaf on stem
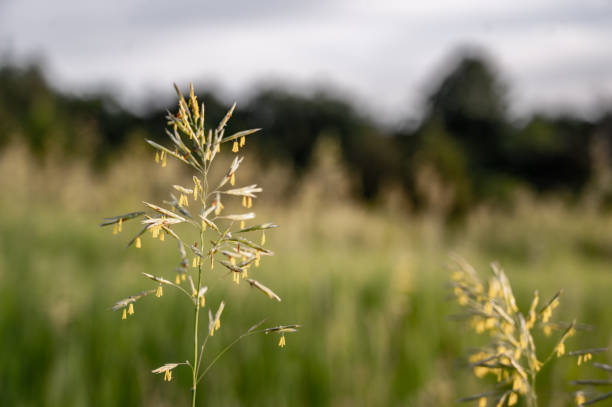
{"x":226,"y":118}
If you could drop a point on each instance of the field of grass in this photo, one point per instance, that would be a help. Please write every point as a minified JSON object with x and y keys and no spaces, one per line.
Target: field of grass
{"x":367,"y":285}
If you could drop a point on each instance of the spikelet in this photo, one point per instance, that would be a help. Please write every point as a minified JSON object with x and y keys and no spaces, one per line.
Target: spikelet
{"x":215,"y":322}
{"x":183,"y":201}
{"x":271,"y":294}
{"x":235,"y":147}
{"x":202,"y":124}
{"x":548,"y":309}
{"x":194,"y":103}
{"x":166,"y":370}
{"x":532,"y":316}
{"x":560,"y":349}
{"x":197,"y":187}
{"x":159,"y":292}
{"x":131,"y":309}
{"x":138,"y":243}
{"x":242,"y":141}
{"x":218,"y":206}
{"x":211,"y":323}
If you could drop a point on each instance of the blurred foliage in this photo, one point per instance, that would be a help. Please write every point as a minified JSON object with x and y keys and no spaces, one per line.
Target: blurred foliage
{"x":367,"y":286}
{"x":465,"y":137}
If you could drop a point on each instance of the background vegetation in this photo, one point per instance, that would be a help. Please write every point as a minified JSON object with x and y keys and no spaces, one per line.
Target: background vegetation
{"x":466,"y":138}
{"x":369,"y":215}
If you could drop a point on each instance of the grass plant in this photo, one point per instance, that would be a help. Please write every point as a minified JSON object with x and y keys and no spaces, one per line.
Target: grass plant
{"x":514,"y":355}
{"x":222,"y":238}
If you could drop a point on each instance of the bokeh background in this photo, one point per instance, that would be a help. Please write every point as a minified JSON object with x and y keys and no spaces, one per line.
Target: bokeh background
{"x":395,"y":135}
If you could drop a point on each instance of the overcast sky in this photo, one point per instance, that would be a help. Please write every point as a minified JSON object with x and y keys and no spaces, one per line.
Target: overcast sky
{"x":553,"y":54}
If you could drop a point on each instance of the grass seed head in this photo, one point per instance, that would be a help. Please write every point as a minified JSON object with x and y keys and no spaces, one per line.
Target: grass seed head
{"x":195,"y":144}
{"x":512,"y":353}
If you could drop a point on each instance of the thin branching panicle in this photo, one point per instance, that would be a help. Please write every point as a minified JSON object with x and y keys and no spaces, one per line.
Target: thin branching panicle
{"x":512,"y":355}
{"x":225,"y":238}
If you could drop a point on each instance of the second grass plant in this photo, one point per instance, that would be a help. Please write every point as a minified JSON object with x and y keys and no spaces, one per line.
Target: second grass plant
{"x":512,"y":355}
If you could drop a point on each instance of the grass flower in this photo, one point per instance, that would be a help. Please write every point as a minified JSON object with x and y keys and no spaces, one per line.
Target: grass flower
{"x":196,"y":145}
{"x":512,"y":355}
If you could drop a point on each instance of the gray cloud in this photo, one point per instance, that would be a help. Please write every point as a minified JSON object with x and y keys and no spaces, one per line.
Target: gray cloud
{"x":381,"y":53}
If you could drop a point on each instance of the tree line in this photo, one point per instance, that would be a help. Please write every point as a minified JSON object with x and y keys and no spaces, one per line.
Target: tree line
{"x":465,"y":143}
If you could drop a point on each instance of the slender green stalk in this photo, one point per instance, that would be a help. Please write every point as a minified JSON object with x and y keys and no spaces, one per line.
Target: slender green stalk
{"x":195,"y":330}
{"x":532,"y":400}
{"x":196,"y":356}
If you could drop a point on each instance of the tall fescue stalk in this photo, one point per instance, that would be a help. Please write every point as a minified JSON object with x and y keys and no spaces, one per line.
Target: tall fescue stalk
{"x":512,"y":355}
{"x":230,"y":240}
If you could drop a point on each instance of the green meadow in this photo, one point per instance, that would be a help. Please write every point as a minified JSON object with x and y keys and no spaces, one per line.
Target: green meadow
{"x":369,"y":285}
